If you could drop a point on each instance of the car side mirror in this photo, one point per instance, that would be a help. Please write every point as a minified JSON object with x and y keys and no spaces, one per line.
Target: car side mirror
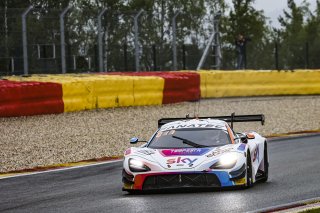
{"x":243,"y":137}
{"x":134,"y":140}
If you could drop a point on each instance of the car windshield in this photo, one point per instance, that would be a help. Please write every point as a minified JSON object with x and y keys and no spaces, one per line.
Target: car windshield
{"x":189,"y":138}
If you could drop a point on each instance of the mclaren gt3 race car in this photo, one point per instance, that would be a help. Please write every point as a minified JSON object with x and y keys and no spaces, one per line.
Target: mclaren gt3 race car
{"x":197,"y":152}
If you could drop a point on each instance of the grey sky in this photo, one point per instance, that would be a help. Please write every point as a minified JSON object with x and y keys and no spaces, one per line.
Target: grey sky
{"x":274,"y":8}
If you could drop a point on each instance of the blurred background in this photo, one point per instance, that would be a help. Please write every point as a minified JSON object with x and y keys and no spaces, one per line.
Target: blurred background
{"x":49,"y":36}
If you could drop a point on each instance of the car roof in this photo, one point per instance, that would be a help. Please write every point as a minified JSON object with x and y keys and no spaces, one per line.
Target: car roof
{"x":195,"y":123}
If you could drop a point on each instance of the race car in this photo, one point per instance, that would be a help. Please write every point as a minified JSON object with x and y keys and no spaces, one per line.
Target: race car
{"x":202,"y":152}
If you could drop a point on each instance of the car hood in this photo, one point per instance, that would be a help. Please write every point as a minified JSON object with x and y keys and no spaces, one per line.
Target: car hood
{"x":185,"y":158}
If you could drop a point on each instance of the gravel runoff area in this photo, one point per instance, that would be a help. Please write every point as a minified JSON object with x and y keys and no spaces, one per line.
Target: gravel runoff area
{"x":28,"y":142}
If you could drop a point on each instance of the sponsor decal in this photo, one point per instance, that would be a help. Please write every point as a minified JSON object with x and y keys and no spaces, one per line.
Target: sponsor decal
{"x":184,"y":152}
{"x":127,"y":152}
{"x":242,"y":147}
{"x":180,"y":160}
{"x":146,"y":151}
{"x":164,"y":133}
{"x":241,"y":181}
{"x":194,"y":125}
{"x":219,"y":151}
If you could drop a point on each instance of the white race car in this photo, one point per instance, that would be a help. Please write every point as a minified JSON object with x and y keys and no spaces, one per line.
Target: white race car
{"x":197,"y":152}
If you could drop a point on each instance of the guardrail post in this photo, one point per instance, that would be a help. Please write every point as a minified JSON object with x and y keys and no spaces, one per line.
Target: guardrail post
{"x":89,"y":63}
{"x":174,"y":40}
{"x":136,"y":40}
{"x":184,"y":56}
{"x":62,"y":40}
{"x":276,"y":55}
{"x":205,"y":53}
{"x":12,"y":64}
{"x":24,"y":40}
{"x":74,"y":63}
{"x":307,"y":55}
{"x":102,"y":65}
{"x":125,"y":57}
{"x":154,"y":54}
{"x":217,"y":48}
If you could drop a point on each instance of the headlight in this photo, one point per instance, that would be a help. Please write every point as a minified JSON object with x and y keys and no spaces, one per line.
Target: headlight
{"x":137,"y":166}
{"x":226,"y":161}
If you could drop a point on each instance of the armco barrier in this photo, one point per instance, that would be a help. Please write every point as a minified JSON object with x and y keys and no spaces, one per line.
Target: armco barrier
{"x":118,"y":91}
{"x":178,"y":86}
{"x":82,"y":92}
{"x":258,"y":83}
{"x":29,"y":98}
{"x":112,"y":92}
{"x":43,"y":94}
{"x":148,"y":90}
{"x":181,"y":86}
{"x":76,"y":92}
{"x":85,"y":92}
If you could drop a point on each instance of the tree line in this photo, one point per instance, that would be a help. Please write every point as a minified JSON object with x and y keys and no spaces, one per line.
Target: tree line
{"x":292,"y":46}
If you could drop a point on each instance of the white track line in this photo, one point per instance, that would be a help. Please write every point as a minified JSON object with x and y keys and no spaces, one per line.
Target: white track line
{"x":59,"y":170}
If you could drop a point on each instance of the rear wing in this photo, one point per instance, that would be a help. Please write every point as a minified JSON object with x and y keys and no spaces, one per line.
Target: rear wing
{"x":229,"y":118}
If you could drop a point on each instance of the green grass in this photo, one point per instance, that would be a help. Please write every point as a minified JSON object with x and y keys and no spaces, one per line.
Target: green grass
{"x":317,"y":210}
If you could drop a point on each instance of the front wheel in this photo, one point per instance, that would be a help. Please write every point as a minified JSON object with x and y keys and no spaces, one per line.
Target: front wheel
{"x":266,"y":165}
{"x":249,"y":179}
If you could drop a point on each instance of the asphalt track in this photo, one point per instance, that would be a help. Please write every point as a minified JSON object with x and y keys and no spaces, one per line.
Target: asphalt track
{"x":294,"y":176}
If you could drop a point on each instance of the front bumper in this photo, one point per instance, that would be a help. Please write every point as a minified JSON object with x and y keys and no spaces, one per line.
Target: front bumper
{"x":173,"y":180}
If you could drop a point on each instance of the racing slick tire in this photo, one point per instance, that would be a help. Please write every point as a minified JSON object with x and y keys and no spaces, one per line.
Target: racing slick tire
{"x":249,"y":178}
{"x":266,"y":165}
